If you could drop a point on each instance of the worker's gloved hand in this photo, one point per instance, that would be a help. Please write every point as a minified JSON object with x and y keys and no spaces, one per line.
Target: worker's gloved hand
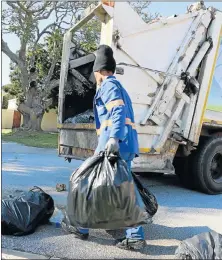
{"x":112,"y":146}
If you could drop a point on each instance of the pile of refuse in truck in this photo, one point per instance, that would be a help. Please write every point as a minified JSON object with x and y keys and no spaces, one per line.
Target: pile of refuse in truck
{"x":85,"y":117}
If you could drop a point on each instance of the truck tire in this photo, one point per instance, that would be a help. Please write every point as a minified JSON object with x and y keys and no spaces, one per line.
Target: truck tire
{"x":202,"y":170}
{"x":207,"y":166}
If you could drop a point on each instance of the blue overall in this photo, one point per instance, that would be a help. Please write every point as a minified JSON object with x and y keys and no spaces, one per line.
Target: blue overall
{"x":114,"y":117}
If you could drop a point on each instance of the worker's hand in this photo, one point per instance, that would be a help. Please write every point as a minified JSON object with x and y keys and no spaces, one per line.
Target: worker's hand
{"x":112,"y":146}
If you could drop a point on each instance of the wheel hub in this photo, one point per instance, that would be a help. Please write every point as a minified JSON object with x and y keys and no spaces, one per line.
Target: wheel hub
{"x":216,"y":168}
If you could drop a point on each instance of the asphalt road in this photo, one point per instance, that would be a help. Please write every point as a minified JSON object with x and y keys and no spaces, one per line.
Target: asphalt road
{"x":182,"y":213}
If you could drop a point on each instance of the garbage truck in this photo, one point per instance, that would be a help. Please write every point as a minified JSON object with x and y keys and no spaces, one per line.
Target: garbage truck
{"x":172,"y":69}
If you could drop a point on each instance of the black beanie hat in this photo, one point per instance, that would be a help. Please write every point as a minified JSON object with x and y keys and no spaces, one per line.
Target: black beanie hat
{"x":104,"y":59}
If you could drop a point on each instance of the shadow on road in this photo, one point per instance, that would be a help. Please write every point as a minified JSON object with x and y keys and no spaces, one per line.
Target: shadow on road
{"x":168,"y":190}
{"x":157,"y":233}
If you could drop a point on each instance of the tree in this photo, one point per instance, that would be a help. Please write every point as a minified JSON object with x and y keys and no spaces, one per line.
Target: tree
{"x":24,"y":20}
{"x":35,"y":67}
{"x":5,"y":102}
{"x":6,"y":95}
{"x":142,"y":8}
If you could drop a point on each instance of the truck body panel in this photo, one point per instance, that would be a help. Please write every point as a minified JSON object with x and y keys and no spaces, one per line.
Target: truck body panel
{"x":203,"y":115}
{"x":213,"y":113}
{"x":168,"y":112}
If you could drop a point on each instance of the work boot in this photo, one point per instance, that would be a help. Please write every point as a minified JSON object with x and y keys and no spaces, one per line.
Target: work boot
{"x":75,"y":231}
{"x":78,"y":234}
{"x":130,"y":243}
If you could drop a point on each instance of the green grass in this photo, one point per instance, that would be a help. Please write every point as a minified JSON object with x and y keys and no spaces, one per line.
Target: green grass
{"x":35,"y":139}
{"x":6,"y":131}
{"x":217,"y":108}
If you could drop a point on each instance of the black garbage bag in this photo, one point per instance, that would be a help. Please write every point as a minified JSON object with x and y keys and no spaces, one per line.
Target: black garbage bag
{"x":203,"y":246}
{"x":102,"y":194}
{"x":147,"y":196}
{"x":22,"y":215}
{"x":85,"y":117}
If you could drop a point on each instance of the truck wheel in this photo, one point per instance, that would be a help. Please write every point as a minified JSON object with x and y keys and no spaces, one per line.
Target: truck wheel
{"x":207,"y":166}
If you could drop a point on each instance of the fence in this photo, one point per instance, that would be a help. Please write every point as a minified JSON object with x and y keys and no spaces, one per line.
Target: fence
{"x":7,"y":118}
{"x":49,"y":121}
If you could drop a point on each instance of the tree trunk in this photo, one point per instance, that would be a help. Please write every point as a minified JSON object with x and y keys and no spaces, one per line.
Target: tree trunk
{"x":25,"y":123}
{"x":33,"y":120}
{"x":36,"y":121}
{"x":32,"y":110}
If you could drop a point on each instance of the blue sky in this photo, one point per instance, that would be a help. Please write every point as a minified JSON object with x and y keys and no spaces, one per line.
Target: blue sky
{"x":164,"y":8}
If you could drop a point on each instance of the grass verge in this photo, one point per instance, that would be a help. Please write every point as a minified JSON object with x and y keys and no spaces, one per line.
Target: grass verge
{"x":35,"y":139}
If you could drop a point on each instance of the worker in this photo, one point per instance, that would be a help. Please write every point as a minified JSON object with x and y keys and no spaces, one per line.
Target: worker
{"x":114,"y":118}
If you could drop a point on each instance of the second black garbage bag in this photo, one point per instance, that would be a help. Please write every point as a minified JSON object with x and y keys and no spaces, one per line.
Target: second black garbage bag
{"x":102,"y":194}
{"x":22,"y":215}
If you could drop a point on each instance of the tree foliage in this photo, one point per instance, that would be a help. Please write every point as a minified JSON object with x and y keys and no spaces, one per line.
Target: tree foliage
{"x":5,"y":102}
{"x":142,"y":8}
{"x":15,"y":88}
{"x":7,"y":95}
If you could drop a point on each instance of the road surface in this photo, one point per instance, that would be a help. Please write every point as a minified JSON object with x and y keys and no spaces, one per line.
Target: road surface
{"x":182,"y":213}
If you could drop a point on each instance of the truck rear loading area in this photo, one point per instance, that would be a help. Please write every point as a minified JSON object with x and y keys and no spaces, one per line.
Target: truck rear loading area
{"x":172,"y":70}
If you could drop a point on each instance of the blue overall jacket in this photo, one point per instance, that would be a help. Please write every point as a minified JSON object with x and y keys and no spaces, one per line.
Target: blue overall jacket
{"x":114,"y":117}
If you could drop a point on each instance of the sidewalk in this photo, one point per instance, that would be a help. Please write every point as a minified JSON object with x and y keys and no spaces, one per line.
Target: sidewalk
{"x":13,"y":254}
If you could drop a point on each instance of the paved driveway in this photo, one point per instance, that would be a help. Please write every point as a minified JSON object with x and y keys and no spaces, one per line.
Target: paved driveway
{"x":182,"y":213}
